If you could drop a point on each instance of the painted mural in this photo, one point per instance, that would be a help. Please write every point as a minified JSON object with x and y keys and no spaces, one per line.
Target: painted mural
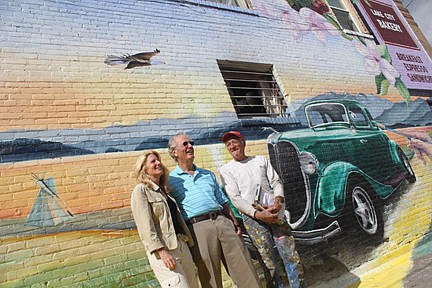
{"x":73,"y":123}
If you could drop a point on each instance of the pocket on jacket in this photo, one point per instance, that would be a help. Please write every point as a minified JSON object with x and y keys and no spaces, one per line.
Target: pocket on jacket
{"x":158,"y":206}
{"x":173,"y":281}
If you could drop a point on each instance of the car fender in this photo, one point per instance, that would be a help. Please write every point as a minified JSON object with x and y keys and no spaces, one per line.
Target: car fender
{"x":394,"y":152}
{"x":332,"y":183}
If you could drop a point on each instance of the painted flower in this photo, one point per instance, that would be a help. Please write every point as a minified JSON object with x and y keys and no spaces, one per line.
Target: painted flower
{"x":318,"y":24}
{"x":375,"y":64}
{"x":294,"y":23}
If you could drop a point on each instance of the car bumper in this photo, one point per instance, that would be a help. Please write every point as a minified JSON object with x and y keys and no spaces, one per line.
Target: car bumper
{"x":317,"y":235}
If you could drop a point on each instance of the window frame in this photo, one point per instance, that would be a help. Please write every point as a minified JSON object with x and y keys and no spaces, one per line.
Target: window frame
{"x":334,"y":9}
{"x":254,"y":89}
{"x":222,"y":6}
{"x":247,"y":3}
{"x":362,"y":29}
{"x":326,"y":113}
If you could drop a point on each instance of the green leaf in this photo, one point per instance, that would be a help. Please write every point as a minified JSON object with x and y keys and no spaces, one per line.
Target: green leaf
{"x":367,"y":3}
{"x":332,"y":20}
{"x":403,"y":90}
{"x":335,"y":23}
{"x":385,"y":84}
{"x":384,"y":52}
{"x":361,"y":40}
{"x":346,"y":36}
{"x":378,"y":81}
{"x":382,"y":84}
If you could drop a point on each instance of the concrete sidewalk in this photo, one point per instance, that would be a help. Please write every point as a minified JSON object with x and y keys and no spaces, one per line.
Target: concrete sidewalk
{"x":408,"y":267}
{"x":420,"y":275}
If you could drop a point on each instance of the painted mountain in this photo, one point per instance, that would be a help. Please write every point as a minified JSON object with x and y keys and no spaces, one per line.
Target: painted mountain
{"x":392,"y":115}
{"x":22,"y":149}
{"x":29,"y":145}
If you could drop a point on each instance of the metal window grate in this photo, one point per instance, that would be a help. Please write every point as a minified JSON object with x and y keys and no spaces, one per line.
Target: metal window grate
{"x":253,"y":89}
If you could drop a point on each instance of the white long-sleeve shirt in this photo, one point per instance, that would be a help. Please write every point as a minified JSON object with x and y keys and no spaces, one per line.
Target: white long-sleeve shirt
{"x":249,"y":180}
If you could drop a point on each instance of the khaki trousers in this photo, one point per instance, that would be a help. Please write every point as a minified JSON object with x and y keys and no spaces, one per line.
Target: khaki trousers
{"x":184,"y":274}
{"x":215,"y":239}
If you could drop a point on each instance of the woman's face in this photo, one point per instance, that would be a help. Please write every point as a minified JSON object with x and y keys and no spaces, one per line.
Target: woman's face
{"x":153,"y":167}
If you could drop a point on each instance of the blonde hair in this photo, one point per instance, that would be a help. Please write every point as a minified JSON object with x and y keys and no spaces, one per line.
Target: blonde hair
{"x":141,"y":175}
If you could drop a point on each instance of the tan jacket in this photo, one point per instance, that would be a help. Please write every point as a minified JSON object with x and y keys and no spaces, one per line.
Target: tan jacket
{"x":153,"y":218}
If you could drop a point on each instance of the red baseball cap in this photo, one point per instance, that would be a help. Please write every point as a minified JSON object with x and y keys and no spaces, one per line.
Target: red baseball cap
{"x":232,"y":134}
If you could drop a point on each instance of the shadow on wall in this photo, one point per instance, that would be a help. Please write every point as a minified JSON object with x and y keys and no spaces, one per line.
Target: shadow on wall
{"x":322,"y":272}
{"x":328,"y":264}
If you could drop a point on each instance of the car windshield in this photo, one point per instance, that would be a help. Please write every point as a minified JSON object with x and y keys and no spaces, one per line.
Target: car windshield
{"x":358,"y":118}
{"x":323,"y":114}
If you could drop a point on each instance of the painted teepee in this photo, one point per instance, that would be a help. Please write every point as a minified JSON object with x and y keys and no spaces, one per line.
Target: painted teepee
{"x":48,"y":209}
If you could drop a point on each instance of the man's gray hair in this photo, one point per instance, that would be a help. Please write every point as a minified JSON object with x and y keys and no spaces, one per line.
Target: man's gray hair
{"x":172,"y":144}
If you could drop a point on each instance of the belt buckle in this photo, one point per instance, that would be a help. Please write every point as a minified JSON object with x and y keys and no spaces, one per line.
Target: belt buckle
{"x":213,"y":215}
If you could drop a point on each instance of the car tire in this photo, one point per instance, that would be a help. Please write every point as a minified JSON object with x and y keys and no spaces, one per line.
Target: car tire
{"x":363,"y":211}
{"x":409,"y":176}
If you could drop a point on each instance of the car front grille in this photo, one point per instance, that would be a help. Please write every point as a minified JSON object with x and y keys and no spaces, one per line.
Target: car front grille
{"x":284,"y":158}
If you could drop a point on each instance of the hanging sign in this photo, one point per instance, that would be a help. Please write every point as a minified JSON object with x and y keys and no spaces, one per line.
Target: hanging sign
{"x":390,"y":28}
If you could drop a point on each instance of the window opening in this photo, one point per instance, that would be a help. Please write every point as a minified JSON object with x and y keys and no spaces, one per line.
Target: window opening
{"x":237,"y":3}
{"x":343,"y":11}
{"x":253,"y":89}
{"x":342,"y":15}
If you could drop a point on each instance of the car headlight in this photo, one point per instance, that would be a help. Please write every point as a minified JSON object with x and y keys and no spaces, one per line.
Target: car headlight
{"x":309,"y":163}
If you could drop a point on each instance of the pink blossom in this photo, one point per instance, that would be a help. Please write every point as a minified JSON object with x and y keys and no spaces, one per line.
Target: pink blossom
{"x":294,"y":23}
{"x":375,"y":64}
{"x":317,"y":24}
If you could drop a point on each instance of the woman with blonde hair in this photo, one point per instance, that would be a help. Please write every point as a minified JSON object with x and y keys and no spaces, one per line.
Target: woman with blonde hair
{"x":160,"y":225}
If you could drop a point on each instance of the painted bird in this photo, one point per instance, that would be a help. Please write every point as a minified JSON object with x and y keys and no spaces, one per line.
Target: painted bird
{"x":136,"y":60}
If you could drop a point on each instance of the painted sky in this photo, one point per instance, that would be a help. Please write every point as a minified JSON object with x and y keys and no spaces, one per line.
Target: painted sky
{"x":421,"y":11}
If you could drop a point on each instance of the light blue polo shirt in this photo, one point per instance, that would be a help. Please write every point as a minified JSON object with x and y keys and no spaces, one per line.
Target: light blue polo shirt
{"x":197,"y":194}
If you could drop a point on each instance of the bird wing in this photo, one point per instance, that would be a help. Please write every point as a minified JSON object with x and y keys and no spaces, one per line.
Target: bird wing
{"x":133,"y":64}
{"x":115,"y":60}
{"x":144,"y":55}
{"x":139,"y":59}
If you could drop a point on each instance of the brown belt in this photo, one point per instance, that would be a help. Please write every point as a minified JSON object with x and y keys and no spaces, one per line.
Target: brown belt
{"x":211,"y":215}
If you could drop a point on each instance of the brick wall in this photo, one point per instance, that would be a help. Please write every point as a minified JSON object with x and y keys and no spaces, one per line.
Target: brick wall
{"x":65,"y":114}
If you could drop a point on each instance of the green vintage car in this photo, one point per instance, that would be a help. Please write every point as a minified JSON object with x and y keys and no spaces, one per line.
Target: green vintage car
{"x":337,"y":172}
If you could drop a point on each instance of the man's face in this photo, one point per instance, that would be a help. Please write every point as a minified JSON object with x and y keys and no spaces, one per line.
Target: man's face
{"x":184,"y":150}
{"x":236,"y":147}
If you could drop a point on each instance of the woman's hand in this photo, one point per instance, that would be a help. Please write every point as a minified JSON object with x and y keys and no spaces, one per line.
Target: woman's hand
{"x":167,"y":258}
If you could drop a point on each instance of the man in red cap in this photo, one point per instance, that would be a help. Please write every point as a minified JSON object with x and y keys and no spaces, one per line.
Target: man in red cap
{"x":256,"y":191}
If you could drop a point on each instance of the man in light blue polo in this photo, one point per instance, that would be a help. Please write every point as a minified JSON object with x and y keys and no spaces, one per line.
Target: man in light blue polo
{"x":211,"y":221}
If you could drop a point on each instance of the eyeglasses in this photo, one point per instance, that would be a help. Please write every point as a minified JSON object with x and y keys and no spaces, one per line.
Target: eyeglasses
{"x":185,"y":143}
